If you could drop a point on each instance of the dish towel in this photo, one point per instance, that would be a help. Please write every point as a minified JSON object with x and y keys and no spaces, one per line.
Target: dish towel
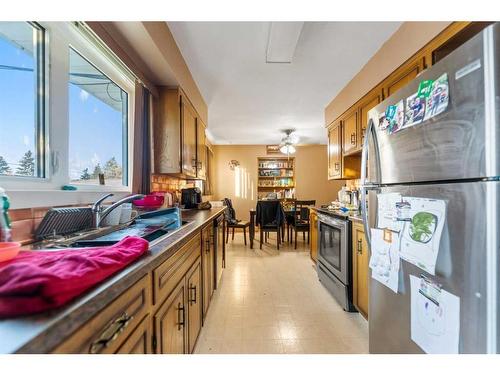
{"x":37,"y":281}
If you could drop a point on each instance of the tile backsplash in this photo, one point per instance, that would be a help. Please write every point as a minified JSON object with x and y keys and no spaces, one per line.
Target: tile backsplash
{"x":169,"y":183}
{"x":24,"y":223}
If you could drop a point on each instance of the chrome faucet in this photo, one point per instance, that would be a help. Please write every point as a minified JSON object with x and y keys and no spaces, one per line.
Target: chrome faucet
{"x":98,"y":214}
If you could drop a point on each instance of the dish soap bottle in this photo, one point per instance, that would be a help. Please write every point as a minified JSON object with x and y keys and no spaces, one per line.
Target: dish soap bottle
{"x":5,"y":229}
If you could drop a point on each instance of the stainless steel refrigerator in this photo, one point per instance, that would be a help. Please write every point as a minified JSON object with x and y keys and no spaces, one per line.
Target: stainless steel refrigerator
{"x":453,"y":156}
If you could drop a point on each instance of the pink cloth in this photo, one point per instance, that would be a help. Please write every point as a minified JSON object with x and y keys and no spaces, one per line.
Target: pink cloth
{"x":37,"y":281}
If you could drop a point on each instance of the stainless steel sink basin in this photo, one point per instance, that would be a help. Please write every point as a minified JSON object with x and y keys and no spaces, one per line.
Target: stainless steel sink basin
{"x":152,"y":226}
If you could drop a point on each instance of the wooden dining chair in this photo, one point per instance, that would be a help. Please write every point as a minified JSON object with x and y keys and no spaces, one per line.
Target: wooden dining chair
{"x":270,"y":217}
{"x":300,"y":221}
{"x":232,"y":222}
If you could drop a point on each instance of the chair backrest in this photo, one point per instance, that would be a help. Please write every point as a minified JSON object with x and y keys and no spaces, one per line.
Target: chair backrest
{"x":301,"y":209}
{"x":269,"y":212}
{"x":229,"y":213}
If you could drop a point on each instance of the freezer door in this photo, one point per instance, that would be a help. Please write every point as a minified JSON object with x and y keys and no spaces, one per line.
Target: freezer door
{"x":459,"y":143}
{"x":466,"y":267}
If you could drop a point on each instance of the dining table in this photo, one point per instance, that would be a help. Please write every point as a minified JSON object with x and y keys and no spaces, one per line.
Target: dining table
{"x":253,"y":211}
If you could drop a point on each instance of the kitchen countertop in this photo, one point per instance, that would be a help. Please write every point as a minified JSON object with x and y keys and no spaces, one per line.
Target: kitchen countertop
{"x":41,"y":333}
{"x":350,"y":216}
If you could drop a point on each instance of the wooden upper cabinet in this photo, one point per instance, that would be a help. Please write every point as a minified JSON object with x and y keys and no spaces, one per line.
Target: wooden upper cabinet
{"x":201,"y":151}
{"x":189,"y":123}
{"x":177,"y":141}
{"x":335,"y":151}
{"x":346,"y":134}
{"x":403,"y":75}
{"x":350,"y":132}
{"x":167,"y":132}
{"x":369,"y":101}
{"x":450,"y":39}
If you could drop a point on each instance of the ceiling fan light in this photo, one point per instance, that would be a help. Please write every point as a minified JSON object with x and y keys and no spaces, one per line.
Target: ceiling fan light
{"x":287,"y":149}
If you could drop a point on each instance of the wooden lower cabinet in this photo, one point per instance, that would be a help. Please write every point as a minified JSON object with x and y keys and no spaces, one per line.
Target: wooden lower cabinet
{"x":170,"y":323}
{"x":194,"y":304}
{"x":208,"y":261}
{"x":161,"y":313}
{"x":140,"y":341}
{"x":110,"y":329}
{"x":313,"y":231}
{"x":361,"y":273}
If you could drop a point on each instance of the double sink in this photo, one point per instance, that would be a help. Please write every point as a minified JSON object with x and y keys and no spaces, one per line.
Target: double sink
{"x":152,"y":226}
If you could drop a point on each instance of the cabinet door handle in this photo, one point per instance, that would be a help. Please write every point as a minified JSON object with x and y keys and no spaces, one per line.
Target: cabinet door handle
{"x":180,"y":316}
{"x":337,"y":166}
{"x":360,"y":247}
{"x":353,"y":139}
{"x":110,"y":333}
{"x":193,"y":289}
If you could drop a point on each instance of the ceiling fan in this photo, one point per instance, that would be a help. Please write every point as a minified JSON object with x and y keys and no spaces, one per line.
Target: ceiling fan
{"x":288,"y":142}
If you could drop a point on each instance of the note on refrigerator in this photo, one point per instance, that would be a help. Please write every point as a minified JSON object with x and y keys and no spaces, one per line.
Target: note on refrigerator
{"x":384,"y":260}
{"x":421,"y":235}
{"x":387,"y":214}
{"x":435,"y":317}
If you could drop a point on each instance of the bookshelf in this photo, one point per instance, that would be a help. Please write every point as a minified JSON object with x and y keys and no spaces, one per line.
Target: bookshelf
{"x":276,"y":175}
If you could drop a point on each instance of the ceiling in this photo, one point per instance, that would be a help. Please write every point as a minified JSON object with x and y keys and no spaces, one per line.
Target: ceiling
{"x":250,"y":101}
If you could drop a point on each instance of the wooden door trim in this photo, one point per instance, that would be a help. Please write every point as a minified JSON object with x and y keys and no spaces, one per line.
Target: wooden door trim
{"x":352,"y":112}
{"x":196,"y":267}
{"x":143,"y":328}
{"x":162,"y":311}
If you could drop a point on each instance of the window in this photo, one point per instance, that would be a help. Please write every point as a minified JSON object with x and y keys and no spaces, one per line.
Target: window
{"x":22,"y":94}
{"x":98,"y":118}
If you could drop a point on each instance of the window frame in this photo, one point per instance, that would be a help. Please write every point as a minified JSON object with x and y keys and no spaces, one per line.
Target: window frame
{"x":40,"y":192}
{"x":126,"y":181}
{"x":41,"y":68}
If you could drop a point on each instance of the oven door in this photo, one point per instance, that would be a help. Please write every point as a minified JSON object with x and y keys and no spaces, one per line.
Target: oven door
{"x":332,"y":249}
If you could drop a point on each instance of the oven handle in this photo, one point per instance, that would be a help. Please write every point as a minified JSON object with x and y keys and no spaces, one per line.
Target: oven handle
{"x":338,"y":223}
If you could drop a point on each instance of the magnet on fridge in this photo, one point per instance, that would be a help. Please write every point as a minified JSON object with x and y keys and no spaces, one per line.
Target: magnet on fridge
{"x":390,"y":112}
{"x":415,"y":110}
{"x":403,"y":210}
{"x":398,"y":119}
{"x":383,"y":122}
{"x":387,"y":235}
{"x":425,"y":88}
{"x":437,"y":102}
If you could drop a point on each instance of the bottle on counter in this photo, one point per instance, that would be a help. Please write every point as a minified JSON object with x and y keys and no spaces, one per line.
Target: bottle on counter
{"x":5,"y":227}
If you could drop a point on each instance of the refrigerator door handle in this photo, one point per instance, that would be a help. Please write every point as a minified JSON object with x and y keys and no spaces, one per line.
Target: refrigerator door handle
{"x":365,"y":185}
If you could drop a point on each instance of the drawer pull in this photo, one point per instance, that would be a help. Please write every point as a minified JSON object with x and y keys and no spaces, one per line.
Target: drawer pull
{"x":111,"y":333}
{"x":193,"y":289}
{"x":180,"y":316}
